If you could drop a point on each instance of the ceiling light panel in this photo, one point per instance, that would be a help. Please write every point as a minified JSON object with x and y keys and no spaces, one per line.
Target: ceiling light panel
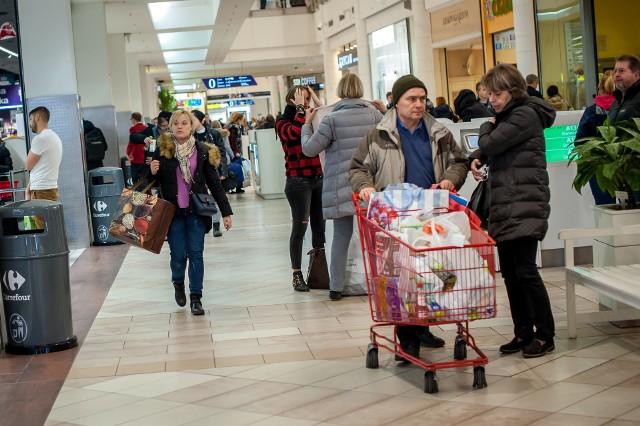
{"x":177,"y":56}
{"x":185,"y":39}
{"x":183,"y":14}
{"x":189,"y":66}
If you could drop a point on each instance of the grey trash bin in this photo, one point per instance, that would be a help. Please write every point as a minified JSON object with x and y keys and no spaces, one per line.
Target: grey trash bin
{"x":34,"y":268}
{"x":105,"y":186}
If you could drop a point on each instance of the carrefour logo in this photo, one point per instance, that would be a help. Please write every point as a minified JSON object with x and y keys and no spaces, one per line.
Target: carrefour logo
{"x":99,"y":206}
{"x":12,"y":280}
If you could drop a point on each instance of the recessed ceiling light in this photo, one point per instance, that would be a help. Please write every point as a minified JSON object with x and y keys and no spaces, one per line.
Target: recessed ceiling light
{"x":177,"y":56}
{"x":185,"y":39}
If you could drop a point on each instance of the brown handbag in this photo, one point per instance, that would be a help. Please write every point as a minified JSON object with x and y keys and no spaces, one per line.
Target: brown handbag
{"x":141,"y":219}
{"x":318,"y":273}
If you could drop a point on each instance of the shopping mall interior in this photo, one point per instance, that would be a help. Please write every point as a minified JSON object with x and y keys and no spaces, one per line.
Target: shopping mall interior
{"x":264,"y":354}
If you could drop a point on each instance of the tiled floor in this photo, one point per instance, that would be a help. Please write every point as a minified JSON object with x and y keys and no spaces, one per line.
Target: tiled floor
{"x":265,"y":355}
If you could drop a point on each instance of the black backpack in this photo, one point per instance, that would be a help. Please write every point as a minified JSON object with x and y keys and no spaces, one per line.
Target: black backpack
{"x":95,"y":145}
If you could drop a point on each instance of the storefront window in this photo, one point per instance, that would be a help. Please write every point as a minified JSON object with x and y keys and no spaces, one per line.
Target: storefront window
{"x":560,"y":49}
{"x":389,"y":52}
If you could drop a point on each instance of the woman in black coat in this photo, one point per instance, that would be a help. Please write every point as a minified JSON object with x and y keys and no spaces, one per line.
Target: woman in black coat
{"x":183,"y":164}
{"x":468,"y":107}
{"x":513,"y":146}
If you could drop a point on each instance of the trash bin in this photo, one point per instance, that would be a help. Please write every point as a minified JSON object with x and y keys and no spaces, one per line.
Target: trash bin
{"x":34,"y":270}
{"x":125,"y":165}
{"x":105,"y":186}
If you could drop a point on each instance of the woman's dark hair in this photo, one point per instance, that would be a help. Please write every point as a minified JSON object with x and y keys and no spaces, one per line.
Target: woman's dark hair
{"x":291,"y":94}
{"x":552,"y":90}
{"x":440,"y":100}
{"x":505,"y":77}
{"x":270,"y":118}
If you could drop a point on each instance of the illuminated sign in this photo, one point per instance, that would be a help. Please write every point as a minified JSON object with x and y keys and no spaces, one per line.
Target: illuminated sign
{"x":559,"y":141}
{"x":231,"y":103}
{"x":495,"y":8}
{"x":304,"y":81}
{"x":348,"y":58}
{"x":188,"y":103}
{"x":231,"y":81}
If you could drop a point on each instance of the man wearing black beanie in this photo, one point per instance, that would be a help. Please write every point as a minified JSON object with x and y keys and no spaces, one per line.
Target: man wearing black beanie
{"x":408,"y":145}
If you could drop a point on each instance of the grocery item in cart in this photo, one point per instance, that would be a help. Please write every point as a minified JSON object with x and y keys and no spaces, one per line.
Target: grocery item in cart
{"x":384,"y":206}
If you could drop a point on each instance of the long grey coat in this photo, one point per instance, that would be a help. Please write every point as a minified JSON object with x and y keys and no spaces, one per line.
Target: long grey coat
{"x":338,"y":135}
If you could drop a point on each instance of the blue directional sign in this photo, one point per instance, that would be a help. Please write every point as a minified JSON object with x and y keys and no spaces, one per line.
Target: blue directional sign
{"x":231,"y":81}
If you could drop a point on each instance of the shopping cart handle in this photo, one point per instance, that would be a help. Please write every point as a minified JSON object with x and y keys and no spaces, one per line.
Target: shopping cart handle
{"x":360,"y":204}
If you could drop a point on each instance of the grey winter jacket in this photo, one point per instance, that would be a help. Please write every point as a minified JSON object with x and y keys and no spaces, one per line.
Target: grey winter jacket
{"x":338,"y":134}
{"x":379,"y":160}
{"x":514,"y":147}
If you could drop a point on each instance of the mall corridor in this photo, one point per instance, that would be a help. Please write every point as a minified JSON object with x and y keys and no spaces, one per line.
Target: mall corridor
{"x":265,"y":355}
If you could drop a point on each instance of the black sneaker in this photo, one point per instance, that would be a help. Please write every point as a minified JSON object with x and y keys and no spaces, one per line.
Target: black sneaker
{"x":335,"y":295}
{"x":515,"y":345}
{"x":536,"y":349}
{"x":414,"y":351}
{"x":298,"y":282}
{"x":196,"y":304}
{"x":428,"y":340}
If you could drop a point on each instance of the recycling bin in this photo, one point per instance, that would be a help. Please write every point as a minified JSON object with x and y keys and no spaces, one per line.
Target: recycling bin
{"x":34,"y":270}
{"x":105,"y":186}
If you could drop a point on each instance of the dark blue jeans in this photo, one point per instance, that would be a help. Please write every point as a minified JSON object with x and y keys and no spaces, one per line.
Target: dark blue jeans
{"x":528,"y":297}
{"x":186,"y":241}
{"x":305,"y":199}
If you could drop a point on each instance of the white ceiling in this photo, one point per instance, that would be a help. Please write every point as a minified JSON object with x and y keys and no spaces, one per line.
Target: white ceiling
{"x":196,"y":39}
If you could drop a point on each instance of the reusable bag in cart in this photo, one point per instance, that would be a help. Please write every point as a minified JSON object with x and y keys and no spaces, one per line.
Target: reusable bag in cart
{"x":141,"y":219}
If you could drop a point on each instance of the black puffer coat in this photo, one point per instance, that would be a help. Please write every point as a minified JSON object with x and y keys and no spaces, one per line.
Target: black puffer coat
{"x":627,"y":106}
{"x":514,"y":147}
{"x":468,"y":107}
{"x":205,"y":178}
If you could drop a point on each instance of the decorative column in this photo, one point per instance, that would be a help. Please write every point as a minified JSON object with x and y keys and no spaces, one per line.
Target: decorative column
{"x":362,"y":39}
{"x":421,"y":51}
{"x":524,"y":27}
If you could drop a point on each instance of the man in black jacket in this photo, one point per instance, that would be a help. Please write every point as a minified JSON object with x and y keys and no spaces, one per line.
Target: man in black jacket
{"x":627,"y":77}
{"x":95,"y":145}
{"x":532,"y":86}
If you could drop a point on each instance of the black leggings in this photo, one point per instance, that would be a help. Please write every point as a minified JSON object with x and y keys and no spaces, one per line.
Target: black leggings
{"x":305,"y":198}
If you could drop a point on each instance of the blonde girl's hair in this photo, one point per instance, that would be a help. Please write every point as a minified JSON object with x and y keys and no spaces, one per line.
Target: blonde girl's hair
{"x":350,"y":87}
{"x":180,"y":112}
{"x":607,"y":83}
{"x":235,"y":117}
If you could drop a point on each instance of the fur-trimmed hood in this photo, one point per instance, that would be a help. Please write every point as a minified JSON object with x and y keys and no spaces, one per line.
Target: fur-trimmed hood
{"x":168,"y":149}
{"x":223,"y":132}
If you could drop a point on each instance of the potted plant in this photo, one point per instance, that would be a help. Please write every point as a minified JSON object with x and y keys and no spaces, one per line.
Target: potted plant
{"x":613,"y":158}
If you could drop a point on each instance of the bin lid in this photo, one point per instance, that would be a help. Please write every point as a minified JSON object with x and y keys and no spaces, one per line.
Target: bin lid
{"x":105,"y":181}
{"x":18,"y":242}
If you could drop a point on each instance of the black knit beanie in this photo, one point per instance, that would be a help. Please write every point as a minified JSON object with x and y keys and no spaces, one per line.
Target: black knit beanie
{"x":403,"y":84}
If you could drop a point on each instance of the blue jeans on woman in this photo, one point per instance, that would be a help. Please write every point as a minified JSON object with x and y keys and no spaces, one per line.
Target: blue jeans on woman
{"x":186,"y":241}
{"x":305,"y":199}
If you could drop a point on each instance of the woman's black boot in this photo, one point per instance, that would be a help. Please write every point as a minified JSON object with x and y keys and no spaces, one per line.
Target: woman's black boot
{"x":196,"y":304}
{"x":181,"y":297}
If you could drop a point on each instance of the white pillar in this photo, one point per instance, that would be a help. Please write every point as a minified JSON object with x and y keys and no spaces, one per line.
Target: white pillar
{"x":362,"y":39}
{"x":92,"y":62}
{"x":332,"y":74}
{"x":422,"y":53}
{"x":275,"y":96}
{"x":524,"y":27}
{"x":119,"y":72}
{"x":48,"y":66}
{"x":284,"y":88}
{"x":133,"y":76}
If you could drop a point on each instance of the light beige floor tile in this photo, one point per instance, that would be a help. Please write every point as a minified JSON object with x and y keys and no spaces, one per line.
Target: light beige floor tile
{"x":190,"y":364}
{"x":355,"y":379}
{"x":233,"y":417}
{"x":505,"y":416}
{"x":561,"y":368}
{"x":72,"y":412}
{"x":119,"y":384}
{"x":387,"y":411}
{"x":316,"y":373}
{"x":166,"y":385}
{"x":261,"y":349}
{"x":79,"y":373}
{"x":255,"y":334}
{"x":569,"y":420}
{"x":336,"y":353}
{"x":127,"y":413}
{"x":608,"y":349}
{"x":271,"y":371}
{"x":504,"y":391}
{"x":180,"y":415}
{"x":556,"y":397}
{"x":239,"y":361}
{"x":220,"y":385}
{"x":290,"y":400}
{"x":334,"y":406}
{"x":150,"y":367}
{"x":610,"y":373}
{"x":610,"y":403}
{"x":242,"y":397}
{"x":74,"y":395}
{"x":447,"y":413}
{"x":283,"y":421}
{"x":287,"y":357}
{"x":96,"y":363}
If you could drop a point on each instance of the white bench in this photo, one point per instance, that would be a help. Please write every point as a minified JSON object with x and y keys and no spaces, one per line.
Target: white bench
{"x":621,"y":282}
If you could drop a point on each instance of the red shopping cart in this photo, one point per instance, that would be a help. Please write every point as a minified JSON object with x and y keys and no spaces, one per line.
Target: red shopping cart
{"x":427,"y":286}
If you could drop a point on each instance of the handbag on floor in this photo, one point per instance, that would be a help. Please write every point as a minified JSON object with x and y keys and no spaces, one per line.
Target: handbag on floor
{"x":141,"y":219}
{"x":318,"y":272}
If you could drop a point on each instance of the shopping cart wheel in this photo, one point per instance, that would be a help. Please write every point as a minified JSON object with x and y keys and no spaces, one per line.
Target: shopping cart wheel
{"x":460,"y":348}
{"x":479,"y":379}
{"x":430,"y":382}
{"x":372,"y":356}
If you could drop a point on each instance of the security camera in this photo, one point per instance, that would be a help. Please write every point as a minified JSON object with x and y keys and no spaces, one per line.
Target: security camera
{"x":319,"y":27}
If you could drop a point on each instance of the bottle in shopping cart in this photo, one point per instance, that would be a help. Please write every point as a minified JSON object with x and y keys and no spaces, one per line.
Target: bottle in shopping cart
{"x":421,"y":300}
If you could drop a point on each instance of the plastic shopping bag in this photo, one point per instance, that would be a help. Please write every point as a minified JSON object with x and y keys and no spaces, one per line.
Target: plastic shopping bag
{"x":384,"y":206}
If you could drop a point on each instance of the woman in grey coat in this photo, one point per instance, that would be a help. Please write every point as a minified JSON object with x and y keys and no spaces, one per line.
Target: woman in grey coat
{"x":338,"y":135}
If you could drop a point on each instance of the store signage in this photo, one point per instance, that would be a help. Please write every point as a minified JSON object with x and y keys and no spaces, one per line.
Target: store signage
{"x":304,"y":81}
{"x":495,"y":8}
{"x":559,"y":142}
{"x":348,"y":58}
{"x":188,"y":103}
{"x":455,"y":21}
{"x":10,"y":96}
{"x":505,"y":40}
{"x":231,"y":103}
{"x":231,"y":81}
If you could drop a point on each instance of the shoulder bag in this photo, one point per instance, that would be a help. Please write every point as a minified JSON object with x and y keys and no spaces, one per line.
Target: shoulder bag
{"x":203,"y":203}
